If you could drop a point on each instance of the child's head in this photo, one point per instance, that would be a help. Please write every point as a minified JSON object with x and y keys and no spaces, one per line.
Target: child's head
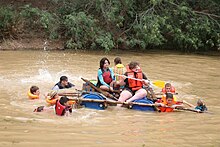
{"x":64,"y":101}
{"x":104,"y":63}
{"x":53,"y":94}
{"x":200,"y":102}
{"x":134,"y":66}
{"x":169,"y":97}
{"x":35,"y":90}
{"x":117,"y":60}
{"x":64,"y":80}
{"x":168,"y":87}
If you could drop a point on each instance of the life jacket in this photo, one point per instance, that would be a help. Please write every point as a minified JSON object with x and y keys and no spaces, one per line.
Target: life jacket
{"x":107,"y":76}
{"x":134,"y":84}
{"x":201,"y":108}
{"x":60,"y":109}
{"x":172,"y":90}
{"x":67,"y":86}
{"x":32,"y":96}
{"x":164,"y":101}
{"x":119,"y":69}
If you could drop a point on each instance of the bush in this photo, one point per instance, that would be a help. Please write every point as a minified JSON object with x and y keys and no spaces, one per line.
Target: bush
{"x":8,"y":22}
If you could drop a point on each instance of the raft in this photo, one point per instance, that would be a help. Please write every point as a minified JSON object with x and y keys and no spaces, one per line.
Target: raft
{"x":99,"y":102}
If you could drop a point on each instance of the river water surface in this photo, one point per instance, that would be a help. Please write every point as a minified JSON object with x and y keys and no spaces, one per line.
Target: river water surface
{"x":193,"y":76}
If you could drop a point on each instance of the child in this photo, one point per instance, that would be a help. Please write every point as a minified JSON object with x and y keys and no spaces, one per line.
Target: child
{"x":63,"y":106}
{"x":200,"y":105}
{"x":63,"y":83}
{"x":106,"y":76}
{"x":168,"y":88}
{"x":34,"y":92}
{"x":168,"y":104}
{"x":52,"y":98}
{"x":119,"y":69}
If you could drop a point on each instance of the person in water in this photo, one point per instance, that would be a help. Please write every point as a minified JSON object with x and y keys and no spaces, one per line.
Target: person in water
{"x":63,"y":83}
{"x":134,"y":80}
{"x":34,"y":92}
{"x":106,"y":77}
{"x":168,"y":88}
{"x":63,"y":107}
{"x":167,"y":104}
{"x":200,"y":105}
{"x":52,"y":97}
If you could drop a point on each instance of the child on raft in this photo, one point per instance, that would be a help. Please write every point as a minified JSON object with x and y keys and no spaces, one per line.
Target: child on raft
{"x":134,"y":80}
{"x":34,"y":92}
{"x":168,"y":88}
{"x":63,"y":107}
{"x":106,"y":77}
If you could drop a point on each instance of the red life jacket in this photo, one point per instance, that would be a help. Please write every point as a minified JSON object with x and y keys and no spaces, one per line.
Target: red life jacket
{"x":135,"y":84}
{"x":59,"y":108}
{"x":107,"y":76}
{"x":172,"y":90}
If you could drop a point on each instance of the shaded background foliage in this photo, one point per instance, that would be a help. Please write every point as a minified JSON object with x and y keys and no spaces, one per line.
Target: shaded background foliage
{"x":186,"y":25}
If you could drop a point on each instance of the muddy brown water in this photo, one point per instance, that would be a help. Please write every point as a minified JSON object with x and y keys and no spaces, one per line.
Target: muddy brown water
{"x":193,"y":76}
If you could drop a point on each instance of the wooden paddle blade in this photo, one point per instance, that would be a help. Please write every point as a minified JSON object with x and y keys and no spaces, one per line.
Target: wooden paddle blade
{"x":159,"y":83}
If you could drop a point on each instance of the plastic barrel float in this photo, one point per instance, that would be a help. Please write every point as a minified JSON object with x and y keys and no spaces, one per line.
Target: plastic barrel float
{"x":94,"y":105}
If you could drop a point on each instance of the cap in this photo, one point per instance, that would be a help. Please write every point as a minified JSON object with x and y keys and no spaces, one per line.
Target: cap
{"x":52,"y":93}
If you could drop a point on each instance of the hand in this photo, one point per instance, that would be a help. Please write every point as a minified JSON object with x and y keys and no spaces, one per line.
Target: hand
{"x":146,"y":82}
{"x":110,"y":89}
{"x":173,"y":106}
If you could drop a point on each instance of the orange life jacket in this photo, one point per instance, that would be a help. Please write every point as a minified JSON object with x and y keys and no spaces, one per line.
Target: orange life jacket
{"x":134,"y":84}
{"x":32,"y":96}
{"x":164,"y":101}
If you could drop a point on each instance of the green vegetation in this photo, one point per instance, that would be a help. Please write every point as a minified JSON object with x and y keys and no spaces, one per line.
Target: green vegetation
{"x":186,"y":25}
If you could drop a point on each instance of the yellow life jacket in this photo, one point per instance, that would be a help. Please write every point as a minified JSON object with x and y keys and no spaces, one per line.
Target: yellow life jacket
{"x":119,"y":69}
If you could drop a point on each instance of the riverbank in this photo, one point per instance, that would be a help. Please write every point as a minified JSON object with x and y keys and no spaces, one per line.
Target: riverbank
{"x":32,"y":43}
{"x":37,"y":43}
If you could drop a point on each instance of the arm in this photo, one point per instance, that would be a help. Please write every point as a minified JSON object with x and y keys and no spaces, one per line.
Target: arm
{"x":112,"y":74}
{"x":191,"y":105}
{"x":100,"y":77}
{"x":146,"y":81}
{"x":55,"y":88}
{"x":70,"y":84}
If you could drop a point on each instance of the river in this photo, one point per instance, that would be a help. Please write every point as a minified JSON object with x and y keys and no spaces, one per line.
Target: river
{"x":194,"y":77}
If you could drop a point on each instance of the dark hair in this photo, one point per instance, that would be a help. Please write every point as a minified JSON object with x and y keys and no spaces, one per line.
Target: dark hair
{"x":102,"y":62}
{"x":117,"y":60}
{"x":169,"y":95}
{"x":63,"y":100}
{"x":63,"y":78}
{"x":133,"y":64}
{"x":167,"y":85}
{"x":34,"y":89}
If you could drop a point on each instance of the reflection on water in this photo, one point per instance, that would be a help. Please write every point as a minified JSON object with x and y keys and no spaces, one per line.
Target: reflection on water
{"x":193,"y":76}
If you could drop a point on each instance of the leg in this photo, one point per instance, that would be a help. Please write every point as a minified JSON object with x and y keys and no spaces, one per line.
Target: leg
{"x":103,"y":87}
{"x":125,"y":94}
{"x":138,"y":95}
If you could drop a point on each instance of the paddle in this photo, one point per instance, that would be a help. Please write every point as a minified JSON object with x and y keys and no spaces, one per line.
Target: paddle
{"x":99,"y":90}
{"x":157,"y":83}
